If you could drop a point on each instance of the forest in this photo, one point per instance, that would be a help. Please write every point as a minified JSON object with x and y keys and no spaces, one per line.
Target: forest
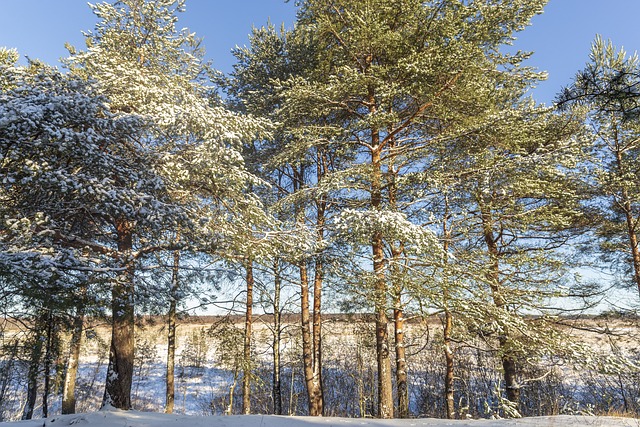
{"x":383,"y":220}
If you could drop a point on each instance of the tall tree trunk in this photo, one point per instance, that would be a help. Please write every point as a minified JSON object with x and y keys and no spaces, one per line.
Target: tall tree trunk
{"x":397,"y":249}
{"x":69,"y":387}
{"x":449,"y":385}
{"x":316,"y":398}
{"x":277,"y":337}
{"x":625,"y":204}
{"x":171,"y":334}
{"x":399,"y":325}
{"x":307,"y":349}
{"x":34,"y":369}
{"x":447,"y":330}
{"x":398,"y":328}
{"x":246,"y":380}
{"x":360,"y":374}
{"x":312,"y":382}
{"x":401,"y":359}
{"x":633,"y":242}
{"x":117,"y":391}
{"x":292,"y":404}
{"x":512,"y":388}
{"x":385,"y":382}
{"x":73,"y":360}
{"x":48,"y":360}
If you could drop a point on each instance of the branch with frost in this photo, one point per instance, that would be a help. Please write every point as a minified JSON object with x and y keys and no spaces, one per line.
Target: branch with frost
{"x":361,"y":226}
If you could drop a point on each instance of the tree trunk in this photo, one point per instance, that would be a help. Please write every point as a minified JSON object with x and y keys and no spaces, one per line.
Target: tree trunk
{"x":312,"y":332}
{"x":307,"y":347}
{"x":34,"y":370}
{"x":401,"y":360}
{"x":397,"y":249}
{"x":32,"y":383}
{"x":120,"y":370}
{"x":398,"y":328}
{"x":385,"y":382}
{"x":232,"y":390}
{"x":317,"y":408}
{"x":312,"y":381}
{"x":385,"y":385}
{"x":512,"y":388}
{"x":633,"y":243}
{"x":316,"y":401}
{"x":447,"y":330}
{"x":277,"y":335}
{"x":69,"y":388}
{"x":246,"y":379}
{"x":171,"y":334}
{"x":449,"y":387}
{"x":362,"y":406}
{"x":292,"y":405}
{"x":625,"y":204}
{"x":48,"y":360}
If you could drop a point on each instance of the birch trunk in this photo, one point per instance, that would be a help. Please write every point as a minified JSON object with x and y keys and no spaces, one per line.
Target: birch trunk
{"x":401,"y":360}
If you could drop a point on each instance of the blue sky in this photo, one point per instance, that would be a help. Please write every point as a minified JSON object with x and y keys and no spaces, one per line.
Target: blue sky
{"x":560,"y":38}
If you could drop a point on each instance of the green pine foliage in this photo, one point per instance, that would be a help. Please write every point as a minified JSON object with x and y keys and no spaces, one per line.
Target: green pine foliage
{"x":607,"y":88}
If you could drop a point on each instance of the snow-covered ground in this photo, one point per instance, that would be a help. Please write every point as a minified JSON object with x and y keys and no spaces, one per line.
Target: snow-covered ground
{"x":116,"y":418}
{"x":202,"y":391}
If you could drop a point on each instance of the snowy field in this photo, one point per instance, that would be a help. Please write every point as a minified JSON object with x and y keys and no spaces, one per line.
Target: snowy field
{"x":116,"y":418}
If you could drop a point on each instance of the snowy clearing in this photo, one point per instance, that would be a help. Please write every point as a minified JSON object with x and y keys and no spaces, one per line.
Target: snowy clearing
{"x":114,"y":417}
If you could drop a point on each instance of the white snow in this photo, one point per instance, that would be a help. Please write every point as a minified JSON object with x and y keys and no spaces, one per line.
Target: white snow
{"x":111,"y":417}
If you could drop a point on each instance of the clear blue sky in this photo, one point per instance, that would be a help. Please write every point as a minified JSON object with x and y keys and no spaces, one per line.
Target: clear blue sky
{"x":560,"y":38}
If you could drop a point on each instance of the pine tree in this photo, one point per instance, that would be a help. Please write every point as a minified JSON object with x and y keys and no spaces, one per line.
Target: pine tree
{"x":144,"y":65}
{"x":391,"y":80}
{"x":607,"y":87}
{"x":86,"y":175}
{"x":526,"y":205}
{"x":508,"y":201}
{"x":255,"y":87}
